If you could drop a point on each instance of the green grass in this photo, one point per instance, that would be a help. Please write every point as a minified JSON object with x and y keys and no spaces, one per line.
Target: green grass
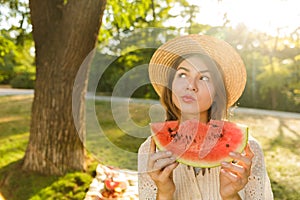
{"x":279,"y":137}
{"x":14,"y":125}
{"x":110,"y":145}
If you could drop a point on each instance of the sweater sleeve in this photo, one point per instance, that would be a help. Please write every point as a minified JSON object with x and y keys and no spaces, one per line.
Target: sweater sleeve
{"x":258,"y":186}
{"x":146,"y":186}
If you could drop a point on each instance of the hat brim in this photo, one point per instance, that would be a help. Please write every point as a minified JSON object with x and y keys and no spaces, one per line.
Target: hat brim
{"x":230,"y":62}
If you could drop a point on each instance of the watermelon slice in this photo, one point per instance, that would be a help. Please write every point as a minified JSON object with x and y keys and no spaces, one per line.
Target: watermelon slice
{"x":200,"y":145}
{"x":113,"y":185}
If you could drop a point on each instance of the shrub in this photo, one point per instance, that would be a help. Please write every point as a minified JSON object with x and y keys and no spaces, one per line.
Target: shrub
{"x":23,"y":80}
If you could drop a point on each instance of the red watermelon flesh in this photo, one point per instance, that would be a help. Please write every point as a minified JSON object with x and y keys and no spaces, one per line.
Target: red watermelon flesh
{"x":112,"y":185}
{"x":198,"y":144}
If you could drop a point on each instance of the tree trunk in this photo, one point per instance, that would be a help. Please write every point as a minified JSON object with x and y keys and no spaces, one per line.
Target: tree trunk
{"x":65,"y":32}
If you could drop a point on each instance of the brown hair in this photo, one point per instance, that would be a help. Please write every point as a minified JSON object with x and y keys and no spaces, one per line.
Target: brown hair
{"x":218,"y":110}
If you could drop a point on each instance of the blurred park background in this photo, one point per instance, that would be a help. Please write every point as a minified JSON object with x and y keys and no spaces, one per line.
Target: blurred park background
{"x":44,"y":45}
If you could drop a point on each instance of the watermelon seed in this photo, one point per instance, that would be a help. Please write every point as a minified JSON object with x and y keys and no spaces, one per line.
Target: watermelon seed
{"x":172,"y":129}
{"x":227,"y":145}
{"x":188,"y":138}
{"x":216,"y":136}
{"x":173,"y":134}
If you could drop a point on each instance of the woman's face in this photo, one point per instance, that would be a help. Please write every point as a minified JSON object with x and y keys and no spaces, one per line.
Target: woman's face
{"x":192,"y":89}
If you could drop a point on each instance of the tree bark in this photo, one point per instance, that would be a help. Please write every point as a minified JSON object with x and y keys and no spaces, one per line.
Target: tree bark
{"x":65,"y":32}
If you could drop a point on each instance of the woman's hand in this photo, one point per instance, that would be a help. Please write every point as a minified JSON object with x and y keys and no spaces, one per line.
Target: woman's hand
{"x":234,"y":176}
{"x":160,"y":168}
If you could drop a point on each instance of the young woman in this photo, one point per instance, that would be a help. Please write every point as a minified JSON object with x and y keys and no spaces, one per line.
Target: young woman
{"x":199,"y":77}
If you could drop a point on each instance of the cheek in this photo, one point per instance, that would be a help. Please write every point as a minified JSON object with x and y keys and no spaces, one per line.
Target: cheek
{"x":207,"y":92}
{"x":175,"y":99}
{"x":177,"y":87}
{"x":212,"y":92}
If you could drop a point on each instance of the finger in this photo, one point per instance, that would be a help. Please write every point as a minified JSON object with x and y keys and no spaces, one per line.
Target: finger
{"x":240,"y":159}
{"x":161,"y":155}
{"x":163,"y":162}
{"x":231,"y":176}
{"x":249,"y":152}
{"x":159,"y":160}
{"x":152,"y":146}
{"x":236,"y":181}
{"x":234,"y":168}
{"x":168,"y":170}
{"x":151,"y":151}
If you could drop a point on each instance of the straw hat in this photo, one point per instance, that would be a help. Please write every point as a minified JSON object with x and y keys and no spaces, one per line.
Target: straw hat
{"x":231,"y":64}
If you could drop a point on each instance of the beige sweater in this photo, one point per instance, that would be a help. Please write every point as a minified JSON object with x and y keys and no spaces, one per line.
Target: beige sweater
{"x":205,"y":187}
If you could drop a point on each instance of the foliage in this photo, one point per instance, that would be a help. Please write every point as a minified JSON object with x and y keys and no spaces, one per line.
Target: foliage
{"x":7,"y":47}
{"x":143,"y":13}
{"x":272,"y":72}
{"x":71,"y":186}
{"x":24,"y":80}
{"x":118,"y":68}
{"x":16,"y":66}
{"x":16,"y":60}
{"x":20,"y":27}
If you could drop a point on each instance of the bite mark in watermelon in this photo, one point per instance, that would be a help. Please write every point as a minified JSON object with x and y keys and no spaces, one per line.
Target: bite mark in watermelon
{"x":200,"y":145}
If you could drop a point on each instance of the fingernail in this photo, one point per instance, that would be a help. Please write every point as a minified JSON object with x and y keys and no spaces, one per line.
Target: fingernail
{"x":225,"y":164}
{"x":232,"y":154}
{"x":172,"y":158}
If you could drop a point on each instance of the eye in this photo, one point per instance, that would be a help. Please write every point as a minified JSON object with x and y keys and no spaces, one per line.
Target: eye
{"x":182,"y":75}
{"x":204,"y":78}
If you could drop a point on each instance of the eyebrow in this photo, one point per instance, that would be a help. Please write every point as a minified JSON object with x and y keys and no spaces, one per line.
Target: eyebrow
{"x":185,"y":69}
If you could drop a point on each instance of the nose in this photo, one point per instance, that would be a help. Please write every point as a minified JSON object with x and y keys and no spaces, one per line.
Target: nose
{"x":192,"y":86}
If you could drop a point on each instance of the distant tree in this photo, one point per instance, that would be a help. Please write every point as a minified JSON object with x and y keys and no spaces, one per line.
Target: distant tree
{"x":64,"y":32}
{"x":124,"y":33}
{"x":16,"y":61}
{"x":7,"y":49}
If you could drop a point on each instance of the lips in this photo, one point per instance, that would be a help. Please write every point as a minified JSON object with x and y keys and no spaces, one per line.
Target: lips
{"x":188,"y":99}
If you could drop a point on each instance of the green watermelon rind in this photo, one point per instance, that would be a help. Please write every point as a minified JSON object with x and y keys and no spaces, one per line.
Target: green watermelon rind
{"x":245,"y":130}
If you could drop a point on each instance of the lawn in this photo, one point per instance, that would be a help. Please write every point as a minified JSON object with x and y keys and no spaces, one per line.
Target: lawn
{"x":110,"y":145}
